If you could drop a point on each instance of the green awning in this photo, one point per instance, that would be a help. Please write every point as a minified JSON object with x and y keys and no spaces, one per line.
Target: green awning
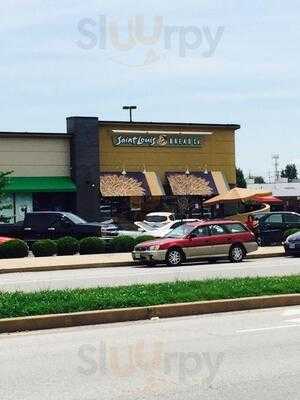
{"x":40,"y":184}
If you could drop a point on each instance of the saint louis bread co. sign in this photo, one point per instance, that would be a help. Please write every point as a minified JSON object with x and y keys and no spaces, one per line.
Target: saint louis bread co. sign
{"x":156,"y":140}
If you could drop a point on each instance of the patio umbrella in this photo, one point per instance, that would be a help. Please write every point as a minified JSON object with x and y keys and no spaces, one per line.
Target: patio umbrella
{"x":267,"y":199}
{"x":236,"y":194}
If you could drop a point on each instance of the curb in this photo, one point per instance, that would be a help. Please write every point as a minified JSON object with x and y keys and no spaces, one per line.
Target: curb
{"x":10,"y":270}
{"x":54,"y":321}
{"x":269,"y":255}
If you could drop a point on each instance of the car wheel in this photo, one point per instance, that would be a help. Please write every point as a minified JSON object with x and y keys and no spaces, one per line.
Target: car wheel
{"x":236,"y":254}
{"x":174,"y":257}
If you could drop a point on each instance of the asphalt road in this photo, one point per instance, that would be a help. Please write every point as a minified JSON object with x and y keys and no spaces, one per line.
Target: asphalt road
{"x":234,"y":356}
{"x":31,"y":281}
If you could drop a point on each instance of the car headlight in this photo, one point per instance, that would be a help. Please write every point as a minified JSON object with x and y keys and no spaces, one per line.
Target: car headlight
{"x":154,"y":247}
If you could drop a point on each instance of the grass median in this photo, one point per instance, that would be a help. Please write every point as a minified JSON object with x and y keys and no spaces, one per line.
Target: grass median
{"x":19,"y":304}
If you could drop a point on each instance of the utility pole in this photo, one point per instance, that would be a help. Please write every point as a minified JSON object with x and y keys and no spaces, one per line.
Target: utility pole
{"x":275,"y":158}
{"x":269,"y":176}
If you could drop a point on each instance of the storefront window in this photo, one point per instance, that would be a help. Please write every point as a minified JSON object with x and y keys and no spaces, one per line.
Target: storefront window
{"x":53,"y":201}
{"x":7,"y":213}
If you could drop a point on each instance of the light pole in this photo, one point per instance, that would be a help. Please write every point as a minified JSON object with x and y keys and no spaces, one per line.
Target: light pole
{"x":187,"y":202}
{"x":130,"y":108}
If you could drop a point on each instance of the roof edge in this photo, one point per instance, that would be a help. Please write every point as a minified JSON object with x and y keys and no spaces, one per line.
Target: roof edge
{"x":8,"y":134}
{"x":171,"y":124}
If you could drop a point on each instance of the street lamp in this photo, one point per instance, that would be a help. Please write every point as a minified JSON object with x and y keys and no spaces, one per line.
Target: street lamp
{"x":130,"y":108}
{"x":186,"y":200}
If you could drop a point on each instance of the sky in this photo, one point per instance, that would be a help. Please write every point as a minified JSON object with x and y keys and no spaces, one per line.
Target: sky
{"x":206,"y":61}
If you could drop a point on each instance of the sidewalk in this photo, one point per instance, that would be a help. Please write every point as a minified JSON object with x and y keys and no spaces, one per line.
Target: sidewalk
{"x":65,"y":262}
{"x":31,"y":264}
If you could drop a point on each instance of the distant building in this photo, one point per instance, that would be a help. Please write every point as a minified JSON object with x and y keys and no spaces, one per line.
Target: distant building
{"x":289,"y":192}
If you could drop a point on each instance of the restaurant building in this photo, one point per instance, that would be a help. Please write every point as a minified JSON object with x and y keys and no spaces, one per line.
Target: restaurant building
{"x":101,"y":168}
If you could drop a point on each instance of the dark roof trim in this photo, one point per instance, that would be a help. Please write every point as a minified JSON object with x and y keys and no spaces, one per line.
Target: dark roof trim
{"x":170,"y":124}
{"x":34,"y":134}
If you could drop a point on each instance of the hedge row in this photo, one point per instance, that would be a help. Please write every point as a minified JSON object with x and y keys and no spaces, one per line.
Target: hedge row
{"x":70,"y":246}
{"x":14,"y":249}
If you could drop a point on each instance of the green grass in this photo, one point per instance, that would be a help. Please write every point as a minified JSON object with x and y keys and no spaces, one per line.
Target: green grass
{"x":19,"y":304}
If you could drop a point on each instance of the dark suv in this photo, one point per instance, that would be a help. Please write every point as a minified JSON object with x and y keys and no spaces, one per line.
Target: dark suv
{"x":273,"y":225}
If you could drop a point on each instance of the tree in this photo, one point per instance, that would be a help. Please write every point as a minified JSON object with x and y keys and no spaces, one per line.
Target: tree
{"x":259,"y":179}
{"x":240,"y":178}
{"x":3,"y":206}
{"x":290,"y":172}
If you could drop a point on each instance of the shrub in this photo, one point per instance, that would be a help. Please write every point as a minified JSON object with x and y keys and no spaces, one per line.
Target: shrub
{"x":14,"y":249}
{"x":108,"y":246}
{"x":144,"y":238}
{"x":92,"y":245}
{"x":123,"y":244}
{"x":67,"y":246}
{"x":44,"y":248}
{"x":290,"y":232}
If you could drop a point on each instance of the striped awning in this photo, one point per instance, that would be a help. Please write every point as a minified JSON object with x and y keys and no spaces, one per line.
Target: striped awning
{"x":199,"y":183}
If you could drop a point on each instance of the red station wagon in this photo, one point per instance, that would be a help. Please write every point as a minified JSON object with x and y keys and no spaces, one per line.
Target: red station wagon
{"x":199,"y":240}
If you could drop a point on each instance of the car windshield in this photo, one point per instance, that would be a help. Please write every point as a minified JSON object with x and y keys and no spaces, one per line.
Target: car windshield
{"x":156,"y":218}
{"x":74,"y":218}
{"x":181,"y":231}
{"x":258,"y":216}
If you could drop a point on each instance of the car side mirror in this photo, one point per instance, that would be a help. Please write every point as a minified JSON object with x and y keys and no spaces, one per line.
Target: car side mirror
{"x":192,"y":236}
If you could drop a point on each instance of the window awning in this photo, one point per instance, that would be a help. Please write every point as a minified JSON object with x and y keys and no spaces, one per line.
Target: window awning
{"x":220,"y":182}
{"x":192,"y":184}
{"x":154,"y":183}
{"x":131,"y":184}
{"x":39,"y":184}
{"x":116,"y":184}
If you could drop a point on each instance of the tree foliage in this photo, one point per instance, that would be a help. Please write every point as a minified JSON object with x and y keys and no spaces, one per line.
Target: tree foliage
{"x":3,"y":206}
{"x":240,"y":178}
{"x":259,"y":179}
{"x":290,"y":172}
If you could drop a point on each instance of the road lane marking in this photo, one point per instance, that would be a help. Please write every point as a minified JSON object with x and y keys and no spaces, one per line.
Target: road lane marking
{"x":269,"y":328}
{"x":296,"y":311}
{"x":297,"y":320}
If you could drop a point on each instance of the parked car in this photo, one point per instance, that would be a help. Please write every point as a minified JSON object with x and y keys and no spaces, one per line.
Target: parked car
{"x":292,"y":245}
{"x":205,"y":239}
{"x":155,"y":220}
{"x":50,"y":225}
{"x":167,"y":228}
{"x":273,"y":225}
{"x":109,"y":228}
